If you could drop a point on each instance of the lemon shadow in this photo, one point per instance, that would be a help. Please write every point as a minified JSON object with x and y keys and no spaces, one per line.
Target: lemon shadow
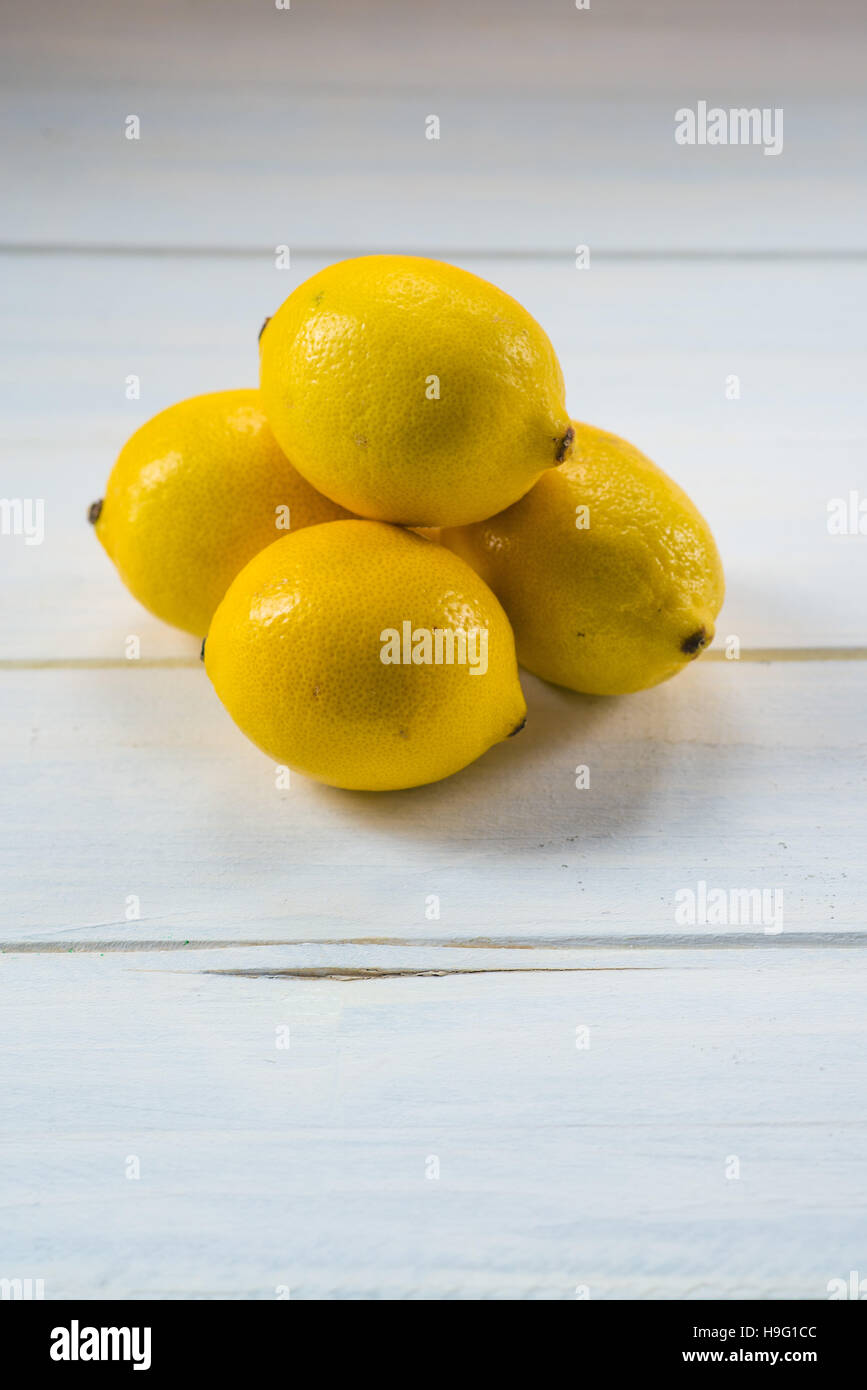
{"x":584,"y":765}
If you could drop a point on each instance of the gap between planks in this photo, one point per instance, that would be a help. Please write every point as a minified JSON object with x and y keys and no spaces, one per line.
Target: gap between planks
{"x":462,"y":253}
{"x":373,"y":972}
{"x":99,"y":663}
{"x":647,"y":942}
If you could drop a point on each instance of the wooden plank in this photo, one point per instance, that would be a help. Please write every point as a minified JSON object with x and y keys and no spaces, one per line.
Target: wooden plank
{"x":305,"y":1166}
{"x":307,"y":126}
{"x":647,"y":350}
{"x":125,"y":784}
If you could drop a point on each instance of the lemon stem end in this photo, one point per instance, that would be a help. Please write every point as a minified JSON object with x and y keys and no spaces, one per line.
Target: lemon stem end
{"x":565,"y":445}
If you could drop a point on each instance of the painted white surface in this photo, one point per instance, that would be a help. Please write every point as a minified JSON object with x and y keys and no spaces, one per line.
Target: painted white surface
{"x":559,"y":1167}
{"x":130,"y":781}
{"x":602,"y":1166}
{"x":307,"y":126}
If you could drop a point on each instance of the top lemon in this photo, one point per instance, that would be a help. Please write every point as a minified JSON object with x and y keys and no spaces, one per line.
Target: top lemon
{"x":410,"y":391}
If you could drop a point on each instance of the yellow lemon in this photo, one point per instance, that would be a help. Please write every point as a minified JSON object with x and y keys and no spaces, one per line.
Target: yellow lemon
{"x":609,"y":574}
{"x":411,"y":391}
{"x":365,"y":656}
{"x":194,"y":494}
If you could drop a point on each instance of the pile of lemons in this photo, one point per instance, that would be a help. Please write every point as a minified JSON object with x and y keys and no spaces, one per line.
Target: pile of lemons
{"x":403,"y":511}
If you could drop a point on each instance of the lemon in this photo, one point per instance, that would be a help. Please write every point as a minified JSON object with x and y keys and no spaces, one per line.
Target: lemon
{"x":609,"y":574}
{"x":324,"y":652}
{"x":411,"y":391}
{"x":194,"y":494}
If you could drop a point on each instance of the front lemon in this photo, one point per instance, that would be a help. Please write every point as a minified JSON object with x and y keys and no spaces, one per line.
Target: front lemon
{"x":194,"y":494}
{"x":411,"y":391}
{"x":331,"y":652}
{"x":608,"y":572}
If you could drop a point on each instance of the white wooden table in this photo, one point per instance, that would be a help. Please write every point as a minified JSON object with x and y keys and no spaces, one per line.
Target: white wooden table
{"x":542,"y":1082}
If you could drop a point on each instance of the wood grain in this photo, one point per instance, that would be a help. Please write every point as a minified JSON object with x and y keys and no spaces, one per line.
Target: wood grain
{"x":602,"y":1166}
